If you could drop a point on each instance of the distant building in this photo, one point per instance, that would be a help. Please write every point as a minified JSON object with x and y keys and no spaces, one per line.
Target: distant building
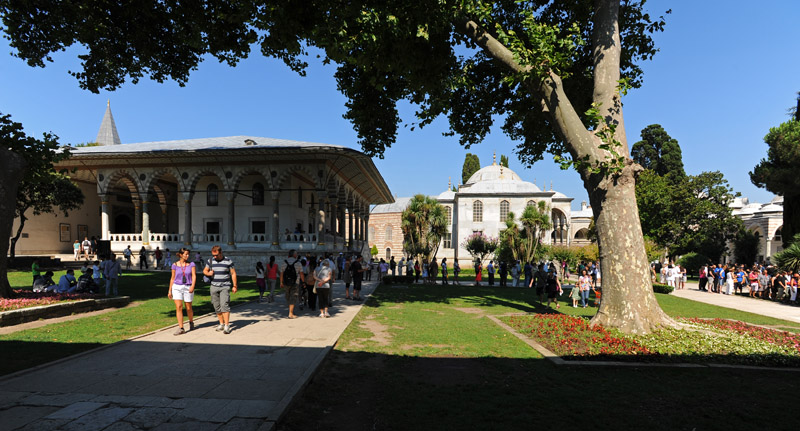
{"x":764,"y":220}
{"x":480,"y":205}
{"x":255,"y":195}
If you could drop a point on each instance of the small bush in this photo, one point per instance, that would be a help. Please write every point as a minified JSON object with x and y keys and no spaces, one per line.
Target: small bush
{"x":662,"y":288}
{"x":693,"y":262}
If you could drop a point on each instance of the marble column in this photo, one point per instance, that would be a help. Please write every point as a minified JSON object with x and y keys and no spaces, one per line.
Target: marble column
{"x":145,"y":223}
{"x":165,"y":218}
{"x":231,"y":219}
{"x":334,"y":217}
{"x":276,"y":208}
{"x":187,"y":219}
{"x":350,"y":236}
{"x":321,"y":219}
{"x":137,"y":216}
{"x":104,"y":216}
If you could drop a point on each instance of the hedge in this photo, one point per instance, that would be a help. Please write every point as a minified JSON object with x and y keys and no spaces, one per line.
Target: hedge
{"x":662,"y":288}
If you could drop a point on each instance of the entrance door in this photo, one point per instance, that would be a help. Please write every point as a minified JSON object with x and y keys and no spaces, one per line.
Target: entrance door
{"x":213,"y":229}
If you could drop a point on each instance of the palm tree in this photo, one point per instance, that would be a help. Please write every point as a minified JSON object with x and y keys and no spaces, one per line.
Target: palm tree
{"x":789,"y":258}
{"x":535,"y":220}
{"x":424,"y":224}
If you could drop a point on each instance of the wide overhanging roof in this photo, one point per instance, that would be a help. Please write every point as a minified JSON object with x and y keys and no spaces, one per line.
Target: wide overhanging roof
{"x":356,"y":168}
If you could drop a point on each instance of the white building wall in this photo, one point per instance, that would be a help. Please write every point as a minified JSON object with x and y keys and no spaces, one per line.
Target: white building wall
{"x":43,"y":231}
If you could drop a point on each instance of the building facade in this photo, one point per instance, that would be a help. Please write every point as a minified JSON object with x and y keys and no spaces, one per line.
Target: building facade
{"x":482,"y":204}
{"x":252,"y":195}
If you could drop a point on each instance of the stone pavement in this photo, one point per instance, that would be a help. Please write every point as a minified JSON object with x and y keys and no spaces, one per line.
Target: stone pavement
{"x":202,"y":380}
{"x":742,"y":303}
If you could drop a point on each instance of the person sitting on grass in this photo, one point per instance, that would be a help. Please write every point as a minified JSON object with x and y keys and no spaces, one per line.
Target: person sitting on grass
{"x":86,"y":283}
{"x":43,"y":282}
{"x":67,"y":282}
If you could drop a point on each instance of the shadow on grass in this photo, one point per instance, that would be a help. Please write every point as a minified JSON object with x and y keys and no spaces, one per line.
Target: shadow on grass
{"x":366,"y":391}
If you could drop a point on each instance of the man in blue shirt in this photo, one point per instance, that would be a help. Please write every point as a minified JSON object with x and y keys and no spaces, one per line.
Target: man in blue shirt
{"x":67,"y":282}
{"x":490,"y":270}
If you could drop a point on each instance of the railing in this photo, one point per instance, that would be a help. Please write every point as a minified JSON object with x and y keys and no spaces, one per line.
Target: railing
{"x":299,"y":237}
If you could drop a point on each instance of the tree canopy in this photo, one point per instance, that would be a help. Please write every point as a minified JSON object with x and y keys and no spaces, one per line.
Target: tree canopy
{"x":778,"y":173}
{"x":659,"y":152}
{"x":424,"y":224}
{"x":552,"y":72}
{"x":472,"y":164}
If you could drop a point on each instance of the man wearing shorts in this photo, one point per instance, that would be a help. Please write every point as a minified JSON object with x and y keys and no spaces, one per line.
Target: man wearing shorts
{"x":223,"y":282}
{"x":291,"y":280}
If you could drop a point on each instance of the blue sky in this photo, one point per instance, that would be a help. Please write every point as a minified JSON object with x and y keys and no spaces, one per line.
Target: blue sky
{"x":727,"y":72}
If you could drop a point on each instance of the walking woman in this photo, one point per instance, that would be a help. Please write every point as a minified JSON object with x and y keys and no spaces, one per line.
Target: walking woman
{"x":553,"y":289}
{"x":322,"y":278}
{"x":272,"y":277}
{"x":181,"y":288}
{"x":585,"y":284}
{"x":478,"y":273}
{"x":262,"y":285}
{"x":309,"y":279}
{"x":456,"y":270}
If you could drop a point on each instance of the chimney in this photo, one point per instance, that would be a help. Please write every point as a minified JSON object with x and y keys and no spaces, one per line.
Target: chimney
{"x":583,"y":205}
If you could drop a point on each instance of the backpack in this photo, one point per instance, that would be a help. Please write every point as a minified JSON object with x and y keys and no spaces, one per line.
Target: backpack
{"x":207,"y":279}
{"x":290,"y":274}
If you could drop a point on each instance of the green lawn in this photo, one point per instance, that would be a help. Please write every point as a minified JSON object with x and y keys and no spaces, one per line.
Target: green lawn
{"x":153,"y":310}
{"x":427,"y":357}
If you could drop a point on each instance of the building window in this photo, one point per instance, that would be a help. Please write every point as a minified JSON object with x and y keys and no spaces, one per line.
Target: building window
{"x":371,"y":233}
{"x":449,"y":212}
{"x":258,"y":226}
{"x":388,"y":254}
{"x":448,"y":243}
{"x":388,"y":233}
{"x":531,"y":204}
{"x":503,"y":210}
{"x":477,"y":211}
{"x":258,"y":194}
{"x":212,"y":195}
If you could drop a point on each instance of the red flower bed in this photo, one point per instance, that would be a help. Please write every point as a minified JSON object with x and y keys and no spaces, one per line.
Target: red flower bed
{"x":572,"y":337}
{"x":772,"y":336}
{"x":27,"y":298}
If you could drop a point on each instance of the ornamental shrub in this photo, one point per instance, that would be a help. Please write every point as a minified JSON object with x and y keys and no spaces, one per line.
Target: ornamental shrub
{"x":662,"y":288}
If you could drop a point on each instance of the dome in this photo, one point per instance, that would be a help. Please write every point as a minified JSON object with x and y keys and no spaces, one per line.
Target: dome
{"x":493,"y":172}
{"x":446,"y":195}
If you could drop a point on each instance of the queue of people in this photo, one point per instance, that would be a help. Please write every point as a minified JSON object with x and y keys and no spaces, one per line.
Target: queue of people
{"x":757,"y":281}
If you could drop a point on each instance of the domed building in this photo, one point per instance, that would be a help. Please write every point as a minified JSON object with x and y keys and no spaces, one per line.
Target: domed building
{"x":764,"y":220}
{"x":482,"y":205}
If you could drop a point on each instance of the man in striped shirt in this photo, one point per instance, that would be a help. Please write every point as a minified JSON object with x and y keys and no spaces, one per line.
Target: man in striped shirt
{"x":223,"y":278}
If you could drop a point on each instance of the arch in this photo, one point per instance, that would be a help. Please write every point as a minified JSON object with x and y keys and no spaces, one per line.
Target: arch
{"x":778,"y":235}
{"x":240,"y":174}
{"x":153,"y":176}
{"x":388,"y":253}
{"x":504,"y":207}
{"x":582,"y":234}
{"x":530,"y":203}
{"x":196,"y":176}
{"x":477,"y":211}
{"x":129,"y":178}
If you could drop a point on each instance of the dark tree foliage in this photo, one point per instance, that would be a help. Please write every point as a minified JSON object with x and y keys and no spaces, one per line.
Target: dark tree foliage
{"x":504,"y":160}
{"x":22,"y":158}
{"x":659,"y":152}
{"x":472,"y":164}
{"x":778,"y":173}
{"x":745,"y":247}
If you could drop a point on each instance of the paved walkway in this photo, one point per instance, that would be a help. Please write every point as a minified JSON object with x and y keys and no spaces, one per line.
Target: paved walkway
{"x":742,"y":303}
{"x":202,"y":380}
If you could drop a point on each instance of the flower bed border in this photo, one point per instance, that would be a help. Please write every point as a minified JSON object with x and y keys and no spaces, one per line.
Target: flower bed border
{"x":558,"y":360}
{"x":29,"y":314}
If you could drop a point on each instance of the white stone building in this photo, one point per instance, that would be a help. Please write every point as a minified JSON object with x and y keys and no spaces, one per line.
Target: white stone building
{"x":252,"y":195}
{"x":481,"y":205}
{"x":764,"y":220}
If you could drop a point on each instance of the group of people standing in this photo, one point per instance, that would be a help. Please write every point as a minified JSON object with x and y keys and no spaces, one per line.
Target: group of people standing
{"x":761,"y":281}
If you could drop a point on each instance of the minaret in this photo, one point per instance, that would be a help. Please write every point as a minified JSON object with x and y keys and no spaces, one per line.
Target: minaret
{"x":108,"y":129}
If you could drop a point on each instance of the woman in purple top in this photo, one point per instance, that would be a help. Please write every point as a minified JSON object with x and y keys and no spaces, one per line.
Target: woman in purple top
{"x":181,"y":288}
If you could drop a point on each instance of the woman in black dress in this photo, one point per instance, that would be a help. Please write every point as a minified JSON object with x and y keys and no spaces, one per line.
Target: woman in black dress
{"x":553,"y":289}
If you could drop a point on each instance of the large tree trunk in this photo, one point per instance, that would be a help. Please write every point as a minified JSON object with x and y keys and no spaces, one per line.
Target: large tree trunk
{"x":12,"y":251}
{"x":628,"y":302}
{"x":791,"y":218}
{"x":12,"y":167}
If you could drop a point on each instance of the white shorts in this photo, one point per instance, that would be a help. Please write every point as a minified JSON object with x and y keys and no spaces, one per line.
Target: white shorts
{"x":754,"y":287}
{"x":181,"y":293}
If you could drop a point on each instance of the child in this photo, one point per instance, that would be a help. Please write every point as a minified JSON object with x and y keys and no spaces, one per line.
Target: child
{"x":262,"y":285}
{"x":575,"y":295}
